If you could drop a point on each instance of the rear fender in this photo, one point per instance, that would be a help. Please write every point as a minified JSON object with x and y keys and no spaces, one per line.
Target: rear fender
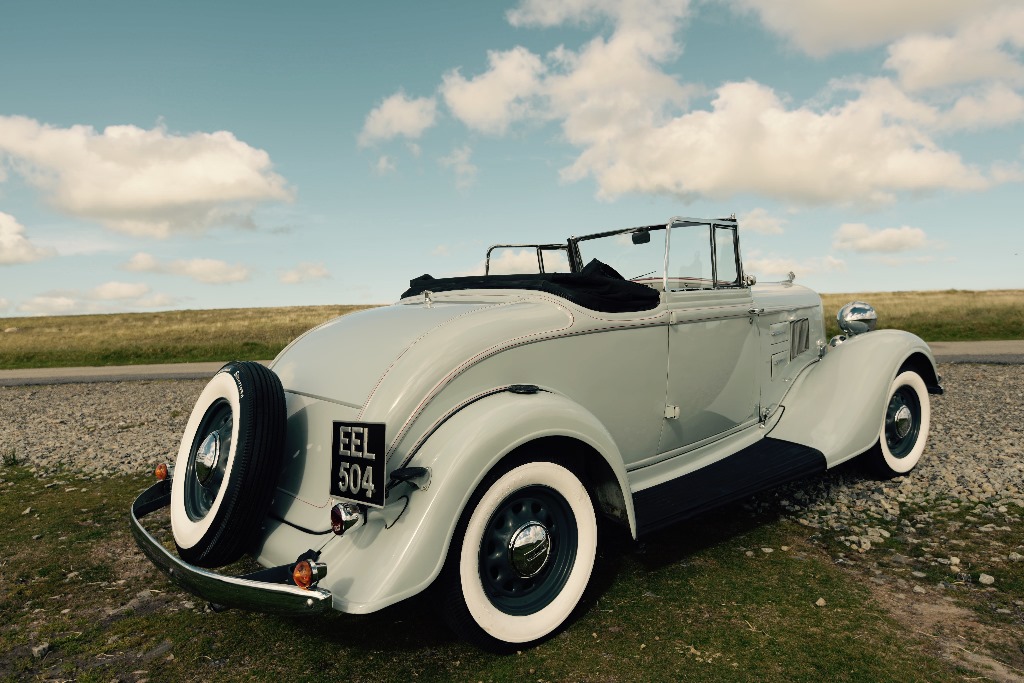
{"x":836,"y":406}
{"x":390,"y":560}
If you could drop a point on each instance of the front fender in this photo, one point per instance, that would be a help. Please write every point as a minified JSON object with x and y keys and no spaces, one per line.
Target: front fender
{"x":388,"y":560}
{"x":836,"y":406}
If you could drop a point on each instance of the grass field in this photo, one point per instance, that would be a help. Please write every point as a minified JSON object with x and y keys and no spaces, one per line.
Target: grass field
{"x":951,"y":315}
{"x":169,"y":337}
{"x":259,"y":333}
{"x":703,"y":601}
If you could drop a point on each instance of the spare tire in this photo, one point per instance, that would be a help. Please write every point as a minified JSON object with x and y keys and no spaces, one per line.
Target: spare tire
{"x":228,"y":464}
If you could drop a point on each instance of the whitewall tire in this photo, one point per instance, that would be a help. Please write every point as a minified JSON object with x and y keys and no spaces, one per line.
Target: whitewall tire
{"x":227,"y":464}
{"x":524,"y":556}
{"x":906,"y":419}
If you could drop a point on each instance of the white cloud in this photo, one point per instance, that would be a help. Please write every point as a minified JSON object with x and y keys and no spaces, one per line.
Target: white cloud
{"x":861,"y":238}
{"x":986,"y":48}
{"x":750,"y":141}
{"x":989,"y":106}
{"x":645,"y":13}
{"x":511,"y":261}
{"x":384,"y":165}
{"x":760,"y":221}
{"x":458,"y":161}
{"x":49,"y":305}
{"x":897,"y":261}
{"x":4,"y":304}
{"x":119,"y":290}
{"x":821,"y":27}
{"x":491,"y":101}
{"x":505,"y":262}
{"x":158,"y":301}
{"x":142,"y":182}
{"x":398,"y":116}
{"x":106,"y":298}
{"x":998,"y":105}
{"x":208,"y":271}
{"x":143,"y":263}
{"x":305,"y":272}
{"x":637,"y":129}
{"x":772,"y":266}
{"x":440,"y":250}
{"x":15,"y":247}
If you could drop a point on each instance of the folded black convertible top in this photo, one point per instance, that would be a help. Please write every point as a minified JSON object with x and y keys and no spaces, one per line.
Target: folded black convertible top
{"x":597,"y":287}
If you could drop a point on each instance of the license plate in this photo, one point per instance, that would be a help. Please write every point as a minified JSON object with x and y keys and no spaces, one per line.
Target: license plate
{"x":357,"y":462}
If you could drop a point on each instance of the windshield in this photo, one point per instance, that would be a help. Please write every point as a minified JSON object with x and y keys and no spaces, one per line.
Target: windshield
{"x":509,"y":259}
{"x":637,"y":253}
{"x":700,"y":254}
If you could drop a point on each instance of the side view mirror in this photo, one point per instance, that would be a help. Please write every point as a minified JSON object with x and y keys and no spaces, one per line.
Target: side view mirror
{"x":642,"y":237}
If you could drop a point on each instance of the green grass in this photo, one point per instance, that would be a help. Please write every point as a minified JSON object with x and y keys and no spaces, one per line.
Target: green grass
{"x":688,"y":604}
{"x":169,"y":337}
{"x":260,"y":333}
{"x":951,"y":315}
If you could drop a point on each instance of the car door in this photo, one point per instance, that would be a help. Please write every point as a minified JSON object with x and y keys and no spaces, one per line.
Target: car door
{"x":712,"y":339}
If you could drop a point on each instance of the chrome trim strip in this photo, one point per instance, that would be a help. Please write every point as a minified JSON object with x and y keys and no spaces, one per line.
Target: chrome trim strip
{"x":226,"y":591}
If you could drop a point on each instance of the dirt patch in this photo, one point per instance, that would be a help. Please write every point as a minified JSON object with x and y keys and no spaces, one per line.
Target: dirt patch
{"x":955,"y":633}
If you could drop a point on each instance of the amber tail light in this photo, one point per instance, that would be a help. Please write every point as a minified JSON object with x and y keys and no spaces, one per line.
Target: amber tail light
{"x":306,"y":573}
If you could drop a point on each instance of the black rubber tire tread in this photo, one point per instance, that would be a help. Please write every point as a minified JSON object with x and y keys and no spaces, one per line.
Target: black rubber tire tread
{"x":257,"y":462}
{"x":447,"y":589}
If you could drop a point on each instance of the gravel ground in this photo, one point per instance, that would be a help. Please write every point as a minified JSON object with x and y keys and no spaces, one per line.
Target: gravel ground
{"x":102,"y":428}
{"x":975,"y":455}
{"x":975,"y":451}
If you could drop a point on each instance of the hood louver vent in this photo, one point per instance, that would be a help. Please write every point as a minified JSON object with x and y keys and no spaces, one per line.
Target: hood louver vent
{"x":799,"y":337}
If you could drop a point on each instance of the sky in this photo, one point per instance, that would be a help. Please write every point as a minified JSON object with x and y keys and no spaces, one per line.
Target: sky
{"x":163,"y":156}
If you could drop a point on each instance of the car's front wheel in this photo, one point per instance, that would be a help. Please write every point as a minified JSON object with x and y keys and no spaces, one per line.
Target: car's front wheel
{"x":522,"y":557}
{"x":904,"y":430}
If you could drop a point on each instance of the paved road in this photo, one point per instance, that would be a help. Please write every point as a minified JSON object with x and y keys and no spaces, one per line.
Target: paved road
{"x":110,"y":373}
{"x":1000,"y":352}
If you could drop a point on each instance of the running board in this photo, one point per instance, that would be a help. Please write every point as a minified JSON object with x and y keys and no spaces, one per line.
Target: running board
{"x":763,"y":465}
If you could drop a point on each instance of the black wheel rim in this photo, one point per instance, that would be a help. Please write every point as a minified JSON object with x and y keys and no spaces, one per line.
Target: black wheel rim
{"x":204,"y":474}
{"x":519,"y":586}
{"x":902,"y":421}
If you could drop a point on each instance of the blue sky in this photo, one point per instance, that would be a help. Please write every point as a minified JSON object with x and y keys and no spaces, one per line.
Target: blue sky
{"x":203,"y":155}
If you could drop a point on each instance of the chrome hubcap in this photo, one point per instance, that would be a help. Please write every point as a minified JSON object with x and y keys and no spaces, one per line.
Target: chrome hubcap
{"x":529,"y":549}
{"x":207,"y":457}
{"x":903,"y":421}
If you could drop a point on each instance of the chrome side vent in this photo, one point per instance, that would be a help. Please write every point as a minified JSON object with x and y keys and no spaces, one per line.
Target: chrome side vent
{"x":799,"y":337}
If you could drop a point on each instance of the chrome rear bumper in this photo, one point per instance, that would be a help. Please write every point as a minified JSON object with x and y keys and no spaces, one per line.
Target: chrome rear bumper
{"x":269,"y":590}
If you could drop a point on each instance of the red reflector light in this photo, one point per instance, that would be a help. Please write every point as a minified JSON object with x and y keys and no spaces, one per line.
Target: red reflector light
{"x":302,"y":575}
{"x":161,"y":472}
{"x":344,"y":516}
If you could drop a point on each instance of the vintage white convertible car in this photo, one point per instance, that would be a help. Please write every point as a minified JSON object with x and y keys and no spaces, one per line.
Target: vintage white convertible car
{"x":469,"y":438}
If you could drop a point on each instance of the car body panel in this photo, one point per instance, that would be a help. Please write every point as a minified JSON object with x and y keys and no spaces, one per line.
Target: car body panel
{"x":400,"y":548}
{"x":314,"y":363}
{"x":711,"y":370}
{"x":837,"y":405}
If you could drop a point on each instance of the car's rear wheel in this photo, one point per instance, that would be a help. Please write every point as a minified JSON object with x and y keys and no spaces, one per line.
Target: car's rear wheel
{"x":227,"y":464}
{"x":904,"y":430}
{"x":521,"y":558}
